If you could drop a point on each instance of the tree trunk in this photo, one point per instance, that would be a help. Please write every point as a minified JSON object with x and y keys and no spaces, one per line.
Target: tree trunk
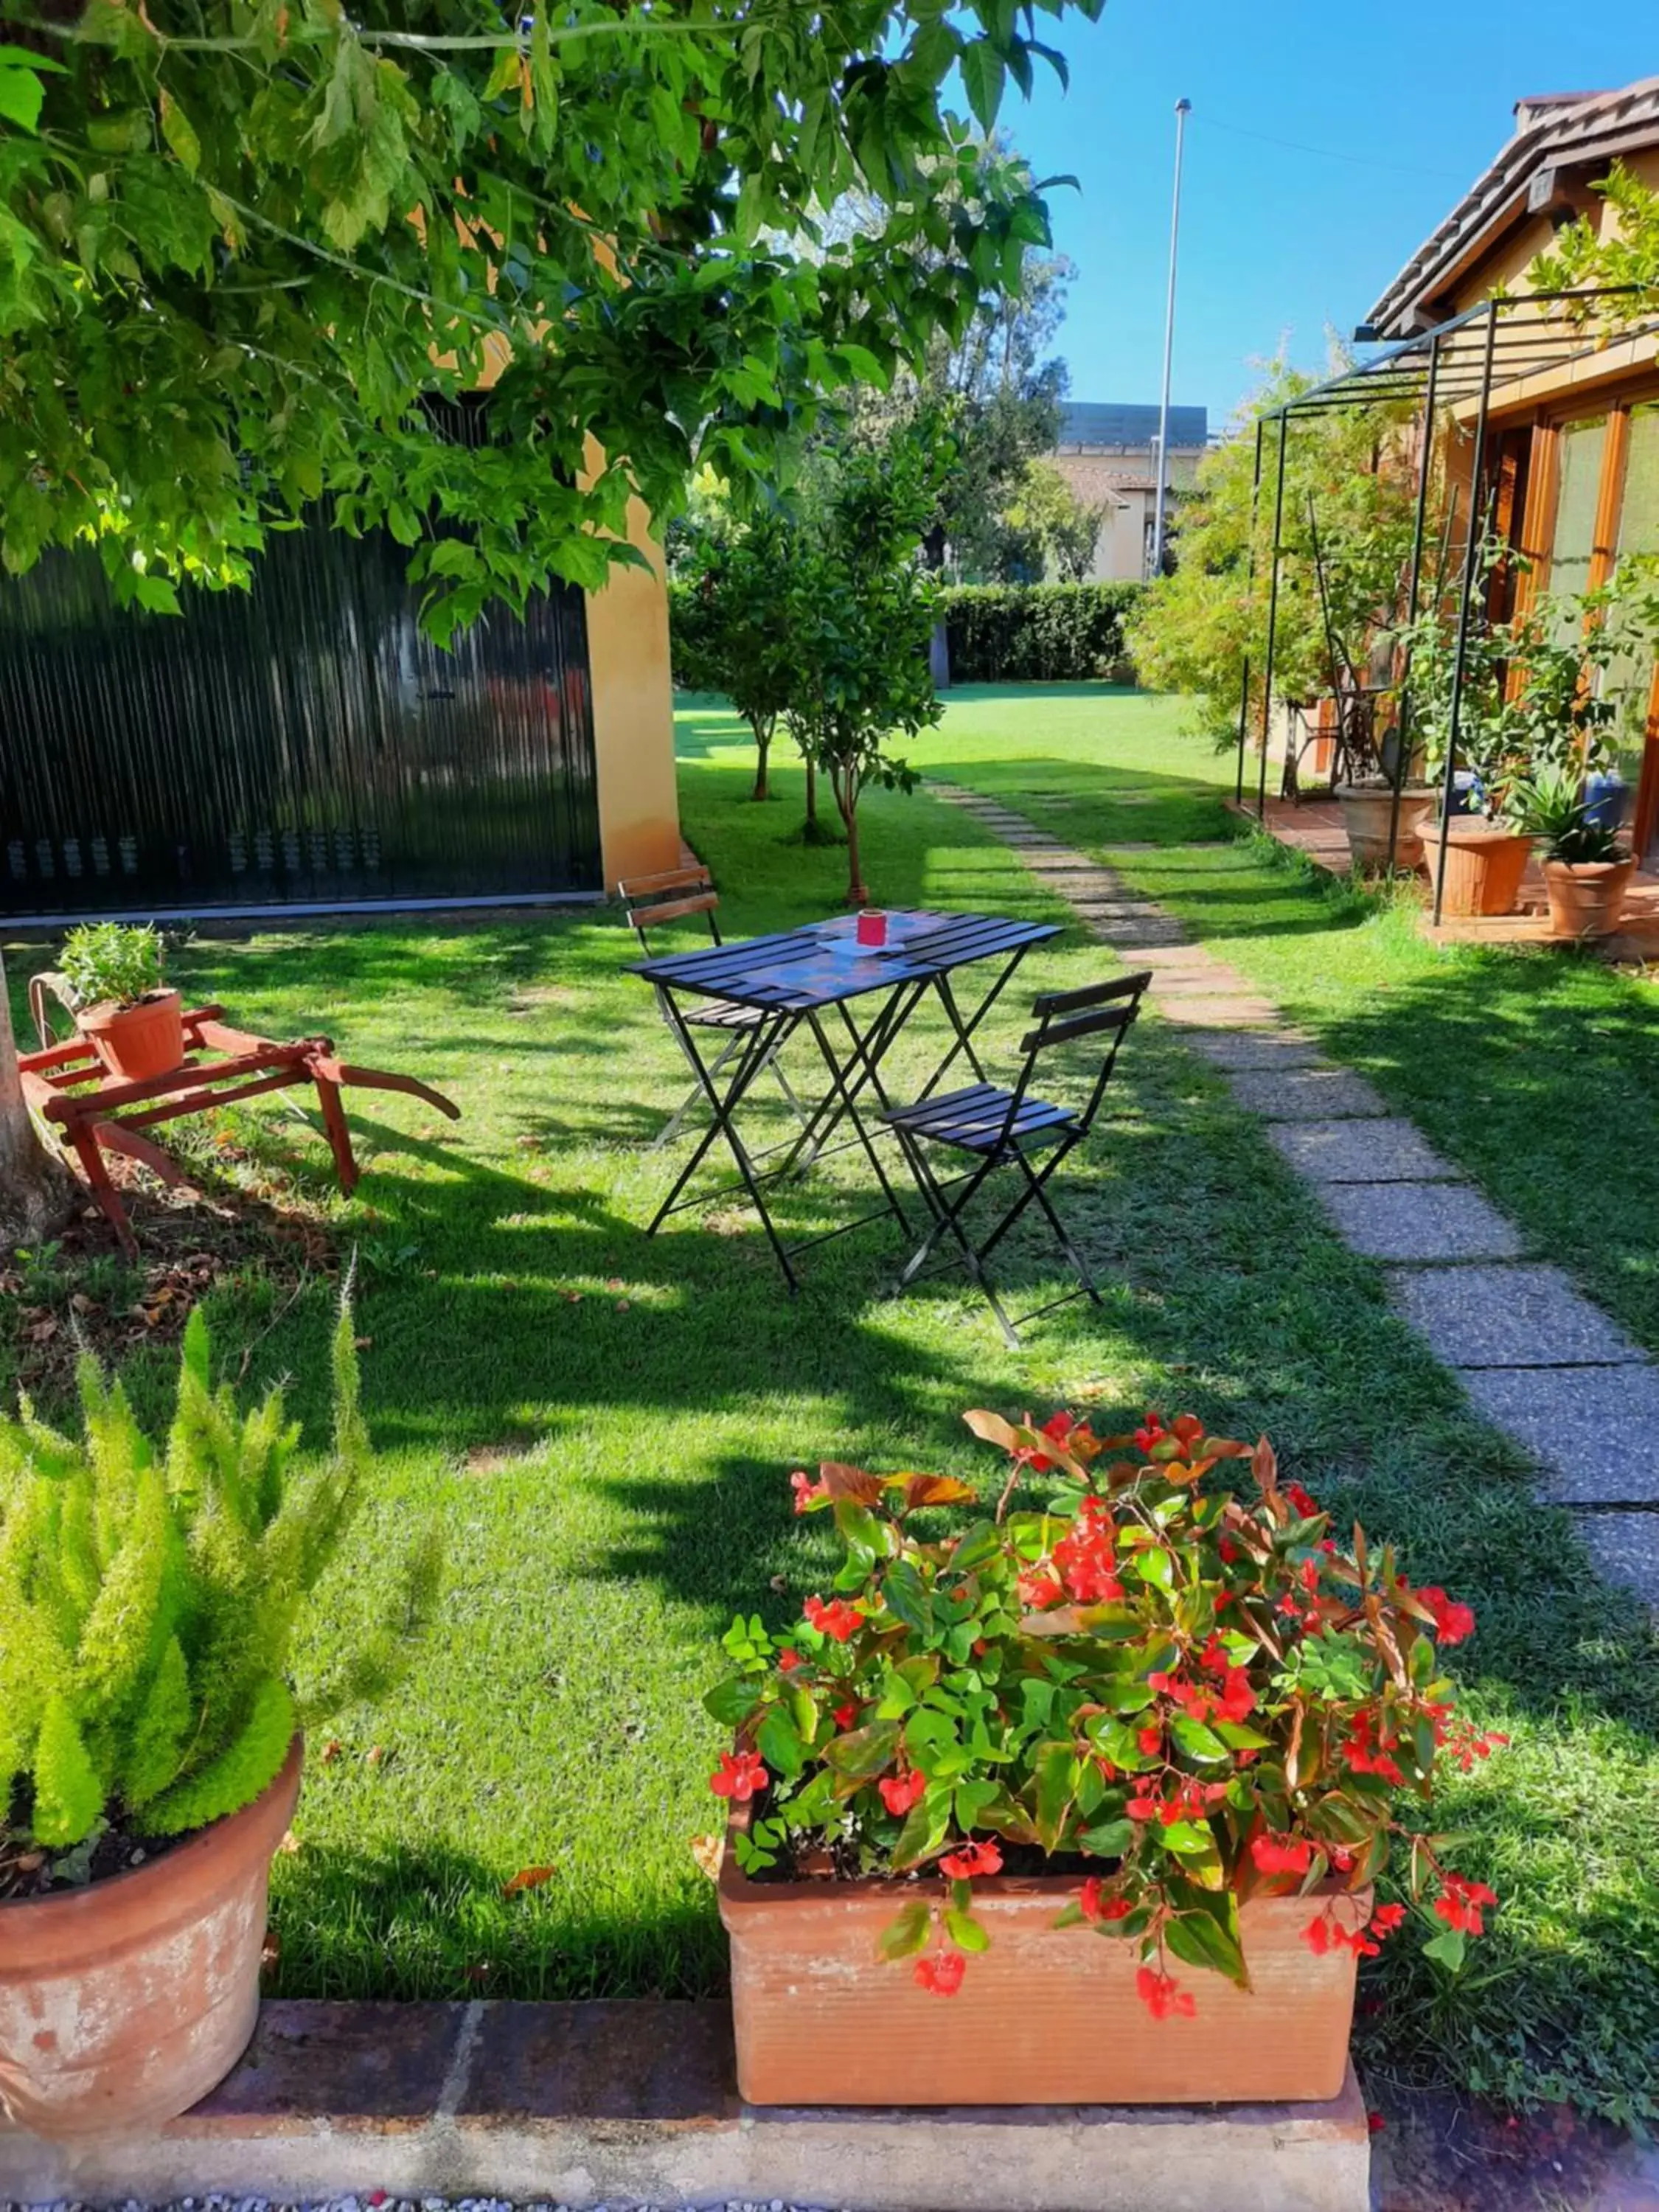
{"x":846,"y":788}
{"x":763,"y":730}
{"x":37,"y":1193}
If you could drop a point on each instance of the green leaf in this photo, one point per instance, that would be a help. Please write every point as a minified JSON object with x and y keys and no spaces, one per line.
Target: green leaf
{"x":1155,"y":1565}
{"x":22,"y":96}
{"x":964,"y":1931}
{"x":903,"y":1937}
{"x":1110,"y":1840}
{"x":180,"y":133}
{"x":1447,"y":1948}
{"x":1056,"y":1779}
{"x":1196,"y":1739}
{"x":982,"y":73}
{"x":731,"y":1702}
{"x":778,"y":1742}
{"x":866,"y":1753}
{"x":1202,"y":1940}
{"x":26,"y":57}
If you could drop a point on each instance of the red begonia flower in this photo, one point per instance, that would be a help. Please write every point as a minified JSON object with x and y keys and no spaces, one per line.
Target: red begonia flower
{"x":1159,"y":1994}
{"x":739,"y":1776}
{"x":1153,"y":1433}
{"x":1096,"y":1906}
{"x":1452,"y":1622}
{"x":1300,"y":1498}
{"x":941,"y":1973}
{"x":1460,"y":1905}
{"x":974,"y":1858}
{"x":788,"y":1660}
{"x":1282,"y":1855}
{"x":1150,"y":1740}
{"x":837,"y":1619}
{"x":807,"y":1493}
{"x":845,"y":1715}
{"x":1387,"y":1919}
{"x":899,"y":1792}
{"x":1187,"y":1428}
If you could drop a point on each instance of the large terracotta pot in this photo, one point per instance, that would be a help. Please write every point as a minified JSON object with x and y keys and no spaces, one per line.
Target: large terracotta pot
{"x":1586,"y":897}
{"x":1046,"y":2016}
{"x":135,"y":1042}
{"x":123,"y":2004}
{"x":1367,"y":812}
{"x":1484,"y":863}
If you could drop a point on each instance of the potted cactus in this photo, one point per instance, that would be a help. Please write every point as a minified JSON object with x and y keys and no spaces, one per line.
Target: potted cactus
{"x":1043,"y":1765}
{"x":134,"y":1023}
{"x":151,"y":1744}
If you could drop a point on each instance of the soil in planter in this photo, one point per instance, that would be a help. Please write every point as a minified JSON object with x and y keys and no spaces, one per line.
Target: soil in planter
{"x":27,"y":1871}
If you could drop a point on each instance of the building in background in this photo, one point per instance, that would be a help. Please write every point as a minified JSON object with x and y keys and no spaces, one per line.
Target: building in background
{"x":1107,"y":455}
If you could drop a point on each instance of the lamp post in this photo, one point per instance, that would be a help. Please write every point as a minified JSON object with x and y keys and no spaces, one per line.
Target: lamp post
{"x":1183,"y":109}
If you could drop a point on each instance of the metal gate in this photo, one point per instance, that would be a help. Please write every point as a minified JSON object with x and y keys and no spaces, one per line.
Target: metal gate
{"x":298,"y":743}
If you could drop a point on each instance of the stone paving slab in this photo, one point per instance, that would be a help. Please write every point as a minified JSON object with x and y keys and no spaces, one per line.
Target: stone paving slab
{"x":1595,"y":1430}
{"x":1528,"y":1317}
{"x":1625,"y":1548}
{"x":1387,"y":1151}
{"x":1239,"y":1049}
{"x":1306,"y":1094}
{"x":1221,"y":1013}
{"x":589,"y":2105}
{"x":1419,"y":1221}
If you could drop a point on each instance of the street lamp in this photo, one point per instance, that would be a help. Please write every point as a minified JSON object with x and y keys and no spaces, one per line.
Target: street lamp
{"x":1183,"y":109}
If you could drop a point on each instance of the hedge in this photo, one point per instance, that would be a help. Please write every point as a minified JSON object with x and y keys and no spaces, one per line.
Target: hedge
{"x":998,"y":634}
{"x":1039,"y":633}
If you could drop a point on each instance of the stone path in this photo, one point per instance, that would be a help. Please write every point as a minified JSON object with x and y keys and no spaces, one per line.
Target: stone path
{"x":1536,"y":1358}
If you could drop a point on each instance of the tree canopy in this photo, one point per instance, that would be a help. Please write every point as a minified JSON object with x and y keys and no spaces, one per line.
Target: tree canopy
{"x":245,"y":246}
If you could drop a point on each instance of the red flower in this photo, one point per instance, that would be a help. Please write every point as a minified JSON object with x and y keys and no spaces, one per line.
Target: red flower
{"x":1228,"y":1550}
{"x":837,"y":1619}
{"x":1460,"y":1905}
{"x":1096,"y":1906}
{"x":1300,"y":1498}
{"x":1387,"y":1919}
{"x":788,"y":1660}
{"x":899,"y":1792}
{"x":1375,"y":2123}
{"x":1237,"y":1698}
{"x":1317,"y":1935}
{"x":942,"y":1972}
{"x":1286,"y":1855}
{"x":1159,"y":1994}
{"x":1042,"y":1588}
{"x":846,"y":1715}
{"x":807,"y":1493}
{"x":1150,"y":1740}
{"x":1188,"y":1430}
{"x":1153,"y":1433}
{"x":1142,"y":1809}
{"x":739,"y":1775}
{"x":1452,"y":1621}
{"x":1058,"y":1428}
{"x":972,"y":1859}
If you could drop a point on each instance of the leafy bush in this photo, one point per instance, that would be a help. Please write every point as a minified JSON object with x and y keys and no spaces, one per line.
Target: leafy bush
{"x":148,"y":1597}
{"x":1198,"y":1690}
{"x":1038,"y":633}
{"x":106,"y":963}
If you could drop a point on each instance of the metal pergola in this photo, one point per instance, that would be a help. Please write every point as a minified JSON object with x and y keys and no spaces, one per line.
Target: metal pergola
{"x":1453,"y":369}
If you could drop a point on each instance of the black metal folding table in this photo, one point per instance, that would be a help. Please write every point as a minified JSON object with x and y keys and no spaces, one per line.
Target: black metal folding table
{"x":795,"y":978}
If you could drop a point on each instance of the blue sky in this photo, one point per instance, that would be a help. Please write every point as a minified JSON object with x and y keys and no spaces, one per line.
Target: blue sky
{"x":1414,"y":97}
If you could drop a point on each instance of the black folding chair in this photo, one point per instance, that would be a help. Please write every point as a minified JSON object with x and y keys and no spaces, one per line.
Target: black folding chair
{"x":1010,"y":1129}
{"x":649,"y":902}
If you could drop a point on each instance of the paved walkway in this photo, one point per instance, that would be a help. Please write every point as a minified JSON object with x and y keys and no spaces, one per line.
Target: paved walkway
{"x":1537,"y":1359}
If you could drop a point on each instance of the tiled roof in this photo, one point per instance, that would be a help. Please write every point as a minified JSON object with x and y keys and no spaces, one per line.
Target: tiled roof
{"x":1591,"y":128}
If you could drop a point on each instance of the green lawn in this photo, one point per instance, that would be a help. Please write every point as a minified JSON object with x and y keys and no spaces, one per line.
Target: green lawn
{"x":606,"y":1426}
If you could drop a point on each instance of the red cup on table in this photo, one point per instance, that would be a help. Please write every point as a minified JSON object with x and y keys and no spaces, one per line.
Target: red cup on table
{"x":873,"y":929}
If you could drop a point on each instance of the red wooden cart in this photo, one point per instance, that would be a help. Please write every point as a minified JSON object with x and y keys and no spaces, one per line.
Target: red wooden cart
{"x":67,"y":1087}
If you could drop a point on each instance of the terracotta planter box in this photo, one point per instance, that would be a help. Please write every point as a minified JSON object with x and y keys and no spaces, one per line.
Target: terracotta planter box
{"x":1367,"y":810}
{"x":1484,"y":863}
{"x":135,"y":1042}
{"x":1047,"y":2016}
{"x":122,"y":2005}
{"x":1586,"y":897}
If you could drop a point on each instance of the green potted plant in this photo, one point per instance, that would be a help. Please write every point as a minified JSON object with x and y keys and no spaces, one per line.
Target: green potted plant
{"x":121,"y":1005}
{"x":1168,"y":1710}
{"x":1587,"y":868}
{"x":151,"y":1744}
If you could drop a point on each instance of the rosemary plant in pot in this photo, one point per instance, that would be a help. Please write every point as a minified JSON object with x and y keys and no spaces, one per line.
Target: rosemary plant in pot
{"x":1083,"y":1804}
{"x":133,"y":1021}
{"x":151,"y":1744}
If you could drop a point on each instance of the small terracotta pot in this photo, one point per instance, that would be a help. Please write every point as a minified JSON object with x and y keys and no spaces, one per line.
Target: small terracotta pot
{"x":1484,"y":863}
{"x":1586,"y":897}
{"x":1367,"y":812}
{"x":1046,"y":2016}
{"x":135,"y":1042}
{"x":122,"y":2005}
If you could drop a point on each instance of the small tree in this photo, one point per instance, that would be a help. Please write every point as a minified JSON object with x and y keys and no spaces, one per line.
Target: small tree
{"x":1055,"y":523}
{"x":862,"y":612}
{"x":740,"y":574}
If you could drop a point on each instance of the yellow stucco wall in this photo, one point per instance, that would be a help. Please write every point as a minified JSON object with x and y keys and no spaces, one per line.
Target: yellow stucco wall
{"x":634,"y":715}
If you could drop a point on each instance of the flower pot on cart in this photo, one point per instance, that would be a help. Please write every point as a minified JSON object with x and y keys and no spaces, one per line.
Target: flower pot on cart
{"x":124,"y":2002}
{"x":1044,"y":2016}
{"x":135,"y":1042}
{"x":1586,"y":897}
{"x":1484,"y":863}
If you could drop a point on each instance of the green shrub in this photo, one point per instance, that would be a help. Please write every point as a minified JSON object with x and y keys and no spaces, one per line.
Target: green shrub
{"x":106,"y":963}
{"x":148,"y":1597}
{"x":1039,"y":633}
